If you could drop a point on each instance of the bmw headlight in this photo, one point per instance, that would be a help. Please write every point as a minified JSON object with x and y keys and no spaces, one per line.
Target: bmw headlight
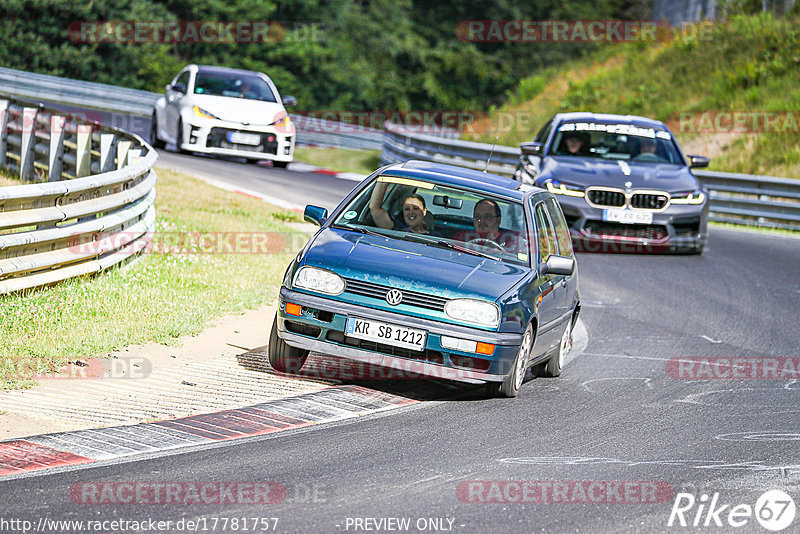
{"x":560,"y":188}
{"x":320,"y":280}
{"x":473,"y":311}
{"x":695,"y":197}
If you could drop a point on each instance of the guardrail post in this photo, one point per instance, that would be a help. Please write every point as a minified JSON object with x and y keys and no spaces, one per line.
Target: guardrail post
{"x":107,"y":152}
{"x":123,"y":147}
{"x":28,"y":136}
{"x":56,"y":160}
{"x":3,"y":132}
{"x":83,"y":154}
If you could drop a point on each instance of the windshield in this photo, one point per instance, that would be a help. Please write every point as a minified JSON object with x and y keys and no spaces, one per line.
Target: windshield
{"x":443,"y":216}
{"x":248,"y":87}
{"x":615,"y":141}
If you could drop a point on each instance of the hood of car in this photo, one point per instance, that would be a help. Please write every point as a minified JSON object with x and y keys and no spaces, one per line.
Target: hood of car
{"x":612,"y":173}
{"x":240,"y":110}
{"x":412,"y":266}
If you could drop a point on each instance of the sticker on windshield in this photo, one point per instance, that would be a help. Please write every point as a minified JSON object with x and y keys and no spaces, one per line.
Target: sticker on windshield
{"x":623,"y":129}
{"x":350,"y":214}
{"x":522,"y":257}
{"x":405,"y":181}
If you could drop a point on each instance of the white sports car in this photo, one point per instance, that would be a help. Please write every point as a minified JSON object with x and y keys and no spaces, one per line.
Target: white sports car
{"x":232,"y":112}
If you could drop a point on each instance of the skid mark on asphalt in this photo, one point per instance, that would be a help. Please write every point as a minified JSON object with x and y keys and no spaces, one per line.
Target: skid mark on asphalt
{"x":647,"y":381}
{"x":552,"y":461}
{"x":337,"y":403}
{"x":759,"y":436}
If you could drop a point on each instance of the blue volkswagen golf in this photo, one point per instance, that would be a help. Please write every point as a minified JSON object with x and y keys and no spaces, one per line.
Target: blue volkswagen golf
{"x":438,"y":271}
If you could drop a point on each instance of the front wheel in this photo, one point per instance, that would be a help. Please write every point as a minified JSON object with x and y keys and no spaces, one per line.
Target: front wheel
{"x":283,"y":357}
{"x":510,"y":386}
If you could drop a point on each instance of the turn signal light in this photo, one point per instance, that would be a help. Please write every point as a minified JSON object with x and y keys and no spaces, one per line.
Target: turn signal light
{"x":293,"y":309}
{"x":484,"y":348}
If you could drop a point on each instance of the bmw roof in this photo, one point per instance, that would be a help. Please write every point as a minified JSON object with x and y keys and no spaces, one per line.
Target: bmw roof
{"x":459,"y":177}
{"x":607,"y":118}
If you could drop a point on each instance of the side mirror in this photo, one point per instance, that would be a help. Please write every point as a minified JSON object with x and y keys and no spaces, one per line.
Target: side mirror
{"x":557,"y":265}
{"x":179,"y":88}
{"x":289,"y":101}
{"x":315,"y":215}
{"x":531,"y":149}
{"x":695,"y":162}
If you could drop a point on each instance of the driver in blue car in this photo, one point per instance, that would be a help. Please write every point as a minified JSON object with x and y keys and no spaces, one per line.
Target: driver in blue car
{"x":486,"y":218}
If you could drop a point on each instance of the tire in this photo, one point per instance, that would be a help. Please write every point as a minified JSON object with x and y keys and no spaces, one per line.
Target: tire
{"x":553,"y":367}
{"x":510,"y":386}
{"x":280,"y":164}
{"x":283,"y":357}
{"x":154,"y":140}
{"x":179,"y":138}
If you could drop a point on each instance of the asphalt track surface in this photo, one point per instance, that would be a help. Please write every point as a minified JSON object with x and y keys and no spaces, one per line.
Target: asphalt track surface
{"x":618,"y":413}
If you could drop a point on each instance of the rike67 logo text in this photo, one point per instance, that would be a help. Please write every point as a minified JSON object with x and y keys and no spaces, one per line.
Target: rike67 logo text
{"x":774,"y":510}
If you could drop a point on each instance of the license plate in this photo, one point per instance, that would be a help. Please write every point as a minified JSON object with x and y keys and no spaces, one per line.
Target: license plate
{"x":628,"y":216}
{"x":388,"y":334}
{"x":241,"y":138}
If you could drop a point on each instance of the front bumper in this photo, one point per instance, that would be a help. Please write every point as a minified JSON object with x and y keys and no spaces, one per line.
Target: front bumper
{"x":679,"y":228}
{"x":210,"y":136}
{"x":321,"y":325}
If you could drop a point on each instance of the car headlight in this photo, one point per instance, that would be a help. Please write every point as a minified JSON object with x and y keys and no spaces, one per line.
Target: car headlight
{"x":560,"y":188}
{"x":200,"y":112}
{"x":473,"y":311}
{"x":319,"y":280}
{"x":695,"y":197}
{"x":282,"y":123}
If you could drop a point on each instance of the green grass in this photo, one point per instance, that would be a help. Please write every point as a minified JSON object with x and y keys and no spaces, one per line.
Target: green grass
{"x":340,"y":159}
{"x":157,"y":299}
{"x":746,"y":64}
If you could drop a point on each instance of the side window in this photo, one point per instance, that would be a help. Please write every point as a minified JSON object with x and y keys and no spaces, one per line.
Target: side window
{"x":541,"y":137}
{"x":184,"y":79}
{"x":544,"y":231}
{"x":562,"y":230}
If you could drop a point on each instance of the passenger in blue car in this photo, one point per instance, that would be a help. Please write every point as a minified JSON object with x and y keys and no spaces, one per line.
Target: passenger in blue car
{"x":414,"y":212}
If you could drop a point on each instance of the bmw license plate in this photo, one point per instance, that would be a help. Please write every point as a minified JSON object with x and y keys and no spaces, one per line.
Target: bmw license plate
{"x":242,"y":138}
{"x":388,"y":334}
{"x":628,"y":216}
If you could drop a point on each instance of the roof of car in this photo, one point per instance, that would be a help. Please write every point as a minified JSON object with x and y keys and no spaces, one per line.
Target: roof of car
{"x":607,"y":118}
{"x":224,"y":70}
{"x":459,"y":177}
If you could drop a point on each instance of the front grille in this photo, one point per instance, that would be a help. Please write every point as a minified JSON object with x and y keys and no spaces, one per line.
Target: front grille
{"x":218,"y":138}
{"x":649,"y":201}
{"x":648,"y":232}
{"x":601,"y":197}
{"x":411,"y":298}
{"x":426,"y":355}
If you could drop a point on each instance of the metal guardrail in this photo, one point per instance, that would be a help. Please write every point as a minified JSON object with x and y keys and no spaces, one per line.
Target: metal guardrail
{"x":764,"y":201}
{"x":90,"y":204}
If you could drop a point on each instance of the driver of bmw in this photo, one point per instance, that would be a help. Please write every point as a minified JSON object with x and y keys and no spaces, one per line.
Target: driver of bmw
{"x":486,"y":220}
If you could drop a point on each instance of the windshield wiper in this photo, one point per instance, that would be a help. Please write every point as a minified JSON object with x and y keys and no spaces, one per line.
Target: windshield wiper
{"x":447,"y":244}
{"x":359,"y":229}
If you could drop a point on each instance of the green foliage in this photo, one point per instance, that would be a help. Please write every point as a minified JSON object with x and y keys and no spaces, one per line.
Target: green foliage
{"x":344,"y":55}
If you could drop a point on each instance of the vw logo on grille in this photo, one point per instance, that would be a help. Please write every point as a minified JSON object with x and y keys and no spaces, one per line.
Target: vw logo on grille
{"x":394,"y":297}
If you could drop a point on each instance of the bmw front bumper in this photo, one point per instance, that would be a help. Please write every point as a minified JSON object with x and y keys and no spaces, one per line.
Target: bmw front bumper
{"x":321,"y":325}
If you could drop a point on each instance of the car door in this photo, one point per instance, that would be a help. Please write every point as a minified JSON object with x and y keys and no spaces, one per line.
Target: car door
{"x":552,"y":291}
{"x":569,"y":284}
{"x":172,"y":110}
